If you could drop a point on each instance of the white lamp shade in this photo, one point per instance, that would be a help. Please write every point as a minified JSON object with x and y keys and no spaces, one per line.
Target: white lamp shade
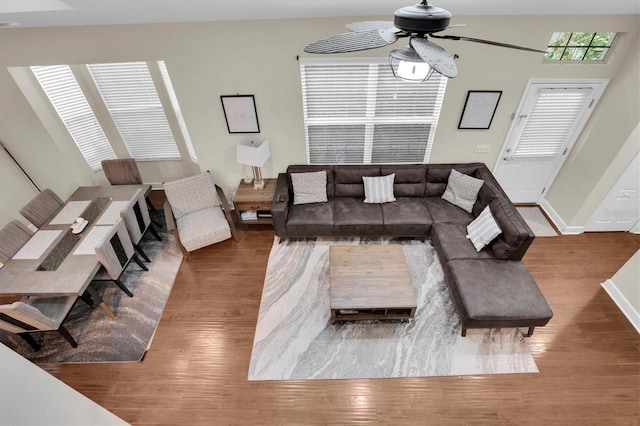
{"x":253,"y":152}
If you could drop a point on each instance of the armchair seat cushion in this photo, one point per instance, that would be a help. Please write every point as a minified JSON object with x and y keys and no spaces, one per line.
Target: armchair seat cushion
{"x":202,"y":228}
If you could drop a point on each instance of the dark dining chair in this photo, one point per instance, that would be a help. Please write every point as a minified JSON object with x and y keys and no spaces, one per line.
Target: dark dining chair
{"x":13,"y":236}
{"x":36,"y":314}
{"x":124,"y":171}
{"x":138,"y":221}
{"x":42,"y":207}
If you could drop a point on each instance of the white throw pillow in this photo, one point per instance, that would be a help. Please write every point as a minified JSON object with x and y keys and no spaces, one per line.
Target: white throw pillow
{"x":309,"y":187}
{"x":378,"y":189}
{"x":462,"y":190}
{"x":483,"y":229}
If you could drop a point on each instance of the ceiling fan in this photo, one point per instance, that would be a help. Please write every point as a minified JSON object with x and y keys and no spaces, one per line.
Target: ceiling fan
{"x":421,"y":57}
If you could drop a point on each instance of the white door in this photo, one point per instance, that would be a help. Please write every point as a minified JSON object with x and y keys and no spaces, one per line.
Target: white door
{"x":548,"y":121}
{"x":620,"y":208}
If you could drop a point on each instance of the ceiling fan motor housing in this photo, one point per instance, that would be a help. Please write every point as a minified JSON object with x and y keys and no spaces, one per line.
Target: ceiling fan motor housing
{"x":422,"y":18}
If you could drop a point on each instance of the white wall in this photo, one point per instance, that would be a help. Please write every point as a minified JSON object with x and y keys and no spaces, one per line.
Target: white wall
{"x":207,"y":60}
{"x":624,"y":289}
{"x":31,"y":396}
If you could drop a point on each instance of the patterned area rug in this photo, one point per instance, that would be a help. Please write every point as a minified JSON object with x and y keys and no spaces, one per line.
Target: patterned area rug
{"x":294,"y":339}
{"x":129,"y":335}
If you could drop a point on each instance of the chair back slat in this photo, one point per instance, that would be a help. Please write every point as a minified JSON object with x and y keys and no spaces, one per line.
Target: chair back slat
{"x":115,"y":250}
{"x":42,"y":207}
{"x":13,"y":236}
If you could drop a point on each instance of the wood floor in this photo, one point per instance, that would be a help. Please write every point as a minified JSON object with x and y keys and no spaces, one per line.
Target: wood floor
{"x":196,"y":369}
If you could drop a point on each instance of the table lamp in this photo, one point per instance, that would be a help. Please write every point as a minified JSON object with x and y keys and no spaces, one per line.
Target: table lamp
{"x":254,"y":153}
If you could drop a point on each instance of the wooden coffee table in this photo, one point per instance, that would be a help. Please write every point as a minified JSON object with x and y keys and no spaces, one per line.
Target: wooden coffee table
{"x":370,"y":282}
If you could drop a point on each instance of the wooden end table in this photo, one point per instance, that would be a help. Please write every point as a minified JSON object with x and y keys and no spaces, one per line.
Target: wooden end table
{"x":370,"y":282}
{"x":248,"y":200}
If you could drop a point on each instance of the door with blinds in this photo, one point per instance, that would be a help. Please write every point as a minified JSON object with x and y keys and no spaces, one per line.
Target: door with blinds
{"x":548,"y":121}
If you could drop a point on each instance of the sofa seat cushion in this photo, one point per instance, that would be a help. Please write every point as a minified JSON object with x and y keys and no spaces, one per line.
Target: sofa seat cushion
{"x":353,"y":216}
{"x":407,"y":216}
{"x":453,"y":244}
{"x":310,"y":219}
{"x":499,"y":290}
{"x":202,"y":228}
{"x":443,"y":211}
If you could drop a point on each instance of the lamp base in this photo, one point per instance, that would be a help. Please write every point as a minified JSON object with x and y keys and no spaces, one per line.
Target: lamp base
{"x":258,"y":184}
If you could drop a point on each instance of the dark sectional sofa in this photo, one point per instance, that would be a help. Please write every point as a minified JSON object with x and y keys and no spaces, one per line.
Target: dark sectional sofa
{"x":490,"y":288}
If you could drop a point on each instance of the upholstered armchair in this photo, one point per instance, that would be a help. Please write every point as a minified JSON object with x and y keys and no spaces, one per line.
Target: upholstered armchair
{"x":197,"y":212}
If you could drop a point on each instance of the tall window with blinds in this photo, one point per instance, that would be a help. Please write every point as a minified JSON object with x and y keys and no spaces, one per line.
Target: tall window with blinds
{"x":356,"y":111}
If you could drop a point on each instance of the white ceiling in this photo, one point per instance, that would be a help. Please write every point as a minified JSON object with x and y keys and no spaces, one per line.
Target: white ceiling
{"x":47,"y":13}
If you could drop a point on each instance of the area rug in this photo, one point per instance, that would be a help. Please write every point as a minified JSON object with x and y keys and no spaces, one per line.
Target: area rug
{"x":125,"y":338}
{"x":294,"y":339}
{"x":537,"y":222}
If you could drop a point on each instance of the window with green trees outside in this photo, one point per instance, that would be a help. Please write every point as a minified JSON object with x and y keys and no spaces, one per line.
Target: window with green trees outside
{"x":579,"y":46}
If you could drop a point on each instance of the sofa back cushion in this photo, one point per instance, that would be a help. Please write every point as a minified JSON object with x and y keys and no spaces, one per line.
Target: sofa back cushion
{"x":514,"y":231}
{"x":348,"y":179}
{"x":438,"y":176}
{"x":410,"y":179}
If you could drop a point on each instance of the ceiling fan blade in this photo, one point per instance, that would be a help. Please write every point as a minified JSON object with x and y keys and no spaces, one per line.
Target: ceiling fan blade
{"x":371,"y":25}
{"x":349,"y":42}
{"x":438,"y":58}
{"x":492,"y":43}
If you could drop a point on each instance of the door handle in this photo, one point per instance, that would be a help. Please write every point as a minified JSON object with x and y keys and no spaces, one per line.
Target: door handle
{"x":508,"y":158}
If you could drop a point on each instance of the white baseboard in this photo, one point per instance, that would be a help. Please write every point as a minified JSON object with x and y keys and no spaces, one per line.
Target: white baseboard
{"x":625,"y":306}
{"x":557,"y":220}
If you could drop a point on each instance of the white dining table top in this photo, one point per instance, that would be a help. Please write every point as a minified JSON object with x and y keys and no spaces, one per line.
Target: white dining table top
{"x":20,"y":277}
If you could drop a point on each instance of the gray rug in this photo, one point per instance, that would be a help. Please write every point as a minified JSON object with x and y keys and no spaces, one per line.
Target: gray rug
{"x":537,"y":222}
{"x":294,"y":339}
{"x":129,"y":335}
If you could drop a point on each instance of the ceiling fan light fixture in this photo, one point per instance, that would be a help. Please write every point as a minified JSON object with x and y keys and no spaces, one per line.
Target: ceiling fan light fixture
{"x":408,"y":65}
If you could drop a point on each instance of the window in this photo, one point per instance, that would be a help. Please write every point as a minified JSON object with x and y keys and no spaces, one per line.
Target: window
{"x":130,"y":95}
{"x":62,"y":89}
{"x":579,"y":46}
{"x":128,"y":92}
{"x":356,"y":111}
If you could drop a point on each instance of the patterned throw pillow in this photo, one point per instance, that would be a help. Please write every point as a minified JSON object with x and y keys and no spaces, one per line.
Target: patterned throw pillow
{"x":309,"y":187}
{"x":462,"y":190}
{"x":483,"y":229}
{"x":379,"y":189}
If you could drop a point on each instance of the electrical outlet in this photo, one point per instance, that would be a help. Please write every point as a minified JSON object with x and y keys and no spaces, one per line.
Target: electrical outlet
{"x":483,"y":148}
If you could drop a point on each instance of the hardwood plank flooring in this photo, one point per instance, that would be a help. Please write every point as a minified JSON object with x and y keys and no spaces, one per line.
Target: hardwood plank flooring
{"x":196,"y":370}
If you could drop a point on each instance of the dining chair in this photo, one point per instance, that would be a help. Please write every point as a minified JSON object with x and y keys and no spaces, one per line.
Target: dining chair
{"x":124,"y":171}
{"x":115,"y":252}
{"x":36,"y":314}
{"x":13,"y":236}
{"x":138,"y":221}
{"x":39,"y":210}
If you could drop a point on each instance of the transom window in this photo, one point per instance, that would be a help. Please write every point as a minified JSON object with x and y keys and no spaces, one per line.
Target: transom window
{"x":356,"y":111}
{"x":579,"y":46}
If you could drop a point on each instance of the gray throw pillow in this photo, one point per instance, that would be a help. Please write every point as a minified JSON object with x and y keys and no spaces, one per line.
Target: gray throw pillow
{"x":309,"y":187}
{"x":462,"y":190}
{"x":378,"y":189}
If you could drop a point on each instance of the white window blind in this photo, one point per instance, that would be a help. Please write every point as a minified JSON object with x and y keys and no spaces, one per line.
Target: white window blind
{"x":551,"y":120}
{"x":62,"y":89}
{"x":356,"y":111}
{"x":130,"y":95}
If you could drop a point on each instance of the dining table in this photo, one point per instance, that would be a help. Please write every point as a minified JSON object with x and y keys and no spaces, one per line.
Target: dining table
{"x":59,"y":260}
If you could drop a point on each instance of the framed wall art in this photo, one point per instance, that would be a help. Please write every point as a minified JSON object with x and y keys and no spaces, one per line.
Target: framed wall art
{"x":479,"y":109}
{"x":240,"y":113}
